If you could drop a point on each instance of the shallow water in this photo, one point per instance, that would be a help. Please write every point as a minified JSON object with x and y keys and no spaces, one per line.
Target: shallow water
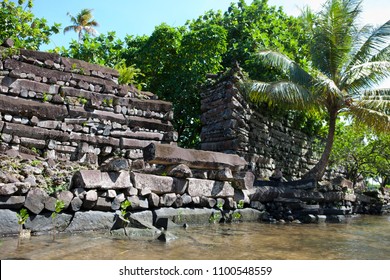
{"x":364,"y":238}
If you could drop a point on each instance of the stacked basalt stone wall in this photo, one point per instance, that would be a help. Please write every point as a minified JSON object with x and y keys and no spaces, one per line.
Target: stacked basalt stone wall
{"x":63,"y":108}
{"x":232,"y":125}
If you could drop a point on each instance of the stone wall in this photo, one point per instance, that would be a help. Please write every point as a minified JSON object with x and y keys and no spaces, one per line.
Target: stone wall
{"x":69,"y":132}
{"x":92,"y":201}
{"x":232,"y":125}
{"x":68,"y":109}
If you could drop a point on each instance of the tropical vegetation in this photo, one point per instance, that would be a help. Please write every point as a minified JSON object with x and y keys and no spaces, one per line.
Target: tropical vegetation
{"x":19,"y":24}
{"x":83,"y":23}
{"x":346,"y":65}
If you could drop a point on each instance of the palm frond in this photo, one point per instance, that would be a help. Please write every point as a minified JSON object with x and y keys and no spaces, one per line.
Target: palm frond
{"x":365,"y":75}
{"x":69,"y":28}
{"x":370,"y":43}
{"x":85,"y":16}
{"x":295,"y":73}
{"x":378,"y":99}
{"x":284,"y":93}
{"x":333,"y":35}
{"x":91,"y":30}
{"x":93,"y":23}
{"x":326,"y":88}
{"x":375,"y":93}
{"x":375,"y":119}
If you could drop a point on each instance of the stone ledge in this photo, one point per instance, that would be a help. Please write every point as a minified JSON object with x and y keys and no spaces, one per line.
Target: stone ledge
{"x":29,"y":108}
{"x":170,"y":155}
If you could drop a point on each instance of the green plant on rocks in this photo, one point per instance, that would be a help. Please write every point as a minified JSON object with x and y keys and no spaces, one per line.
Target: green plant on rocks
{"x":124,"y":213}
{"x":215,"y":218}
{"x":82,"y":100}
{"x":59,"y":206}
{"x":107,"y":102}
{"x":236,"y":216}
{"x":35,"y":162}
{"x":22,"y":218}
{"x":240,"y":204}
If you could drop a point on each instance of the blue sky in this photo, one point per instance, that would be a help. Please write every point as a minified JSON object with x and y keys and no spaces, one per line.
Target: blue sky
{"x":139,"y":17}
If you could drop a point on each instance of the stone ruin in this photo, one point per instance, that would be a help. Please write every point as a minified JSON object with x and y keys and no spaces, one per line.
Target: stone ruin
{"x":231,"y":124}
{"x":67,"y":109}
{"x":55,"y":109}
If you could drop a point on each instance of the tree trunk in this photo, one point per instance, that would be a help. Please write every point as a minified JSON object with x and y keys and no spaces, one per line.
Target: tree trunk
{"x":318,"y":171}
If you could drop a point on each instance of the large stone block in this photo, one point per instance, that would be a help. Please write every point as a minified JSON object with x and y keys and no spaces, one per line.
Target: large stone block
{"x":159,"y":184}
{"x":150,"y":105}
{"x":66,"y":197}
{"x":184,"y":215}
{"x":41,"y":56}
{"x":209,"y":188}
{"x":8,"y":189}
{"x":44,"y":223}
{"x":8,"y":222}
{"x":103,"y":204}
{"x":116,"y":180}
{"x":35,"y":132}
{"x":168,"y":199}
{"x":12,"y":64}
{"x":91,"y":220}
{"x":87,"y":179}
{"x":12,"y":202}
{"x":17,"y":85}
{"x":95,"y":179}
{"x":264,"y":194}
{"x":71,"y":63}
{"x":244,"y":180}
{"x":29,"y":108}
{"x":35,"y":200}
{"x":134,"y":143}
{"x":148,"y":123}
{"x":168,"y":155}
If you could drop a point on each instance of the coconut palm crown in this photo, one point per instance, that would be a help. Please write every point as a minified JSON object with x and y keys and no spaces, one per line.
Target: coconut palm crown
{"x":82,"y":24}
{"x":347,"y":64}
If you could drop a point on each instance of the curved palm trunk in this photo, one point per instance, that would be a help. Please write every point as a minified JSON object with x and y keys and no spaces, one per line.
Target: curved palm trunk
{"x":317,"y":172}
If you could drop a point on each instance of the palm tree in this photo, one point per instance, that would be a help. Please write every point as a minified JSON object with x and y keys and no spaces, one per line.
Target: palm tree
{"x":82,"y":23}
{"x":347,"y":63}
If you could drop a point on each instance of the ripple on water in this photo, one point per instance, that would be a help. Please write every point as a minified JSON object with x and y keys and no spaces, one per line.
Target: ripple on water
{"x":362,"y":238}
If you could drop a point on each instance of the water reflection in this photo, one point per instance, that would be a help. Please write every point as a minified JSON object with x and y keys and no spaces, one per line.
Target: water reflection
{"x":361,"y":238}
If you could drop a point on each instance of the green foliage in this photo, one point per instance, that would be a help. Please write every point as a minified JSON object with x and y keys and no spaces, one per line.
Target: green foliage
{"x":20,"y":24}
{"x":350,"y":151}
{"x":174,"y":61}
{"x":346,"y":63}
{"x":104,"y":49}
{"x":215,"y":218}
{"x":236,"y":216}
{"x":9,"y":52}
{"x":35,"y":162}
{"x":59,"y":206}
{"x":52,"y":187}
{"x":240,"y":204}
{"x":82,"y":100}
{"x":128,"y":74}
{"x":220,"y":205}
{"x":124,"y":206}
{"x":379,"y":165}
{"x":46,"y":97}
{"x":22,"y":216}
{"x":83,"y":24}
{"x":107,"y":102}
